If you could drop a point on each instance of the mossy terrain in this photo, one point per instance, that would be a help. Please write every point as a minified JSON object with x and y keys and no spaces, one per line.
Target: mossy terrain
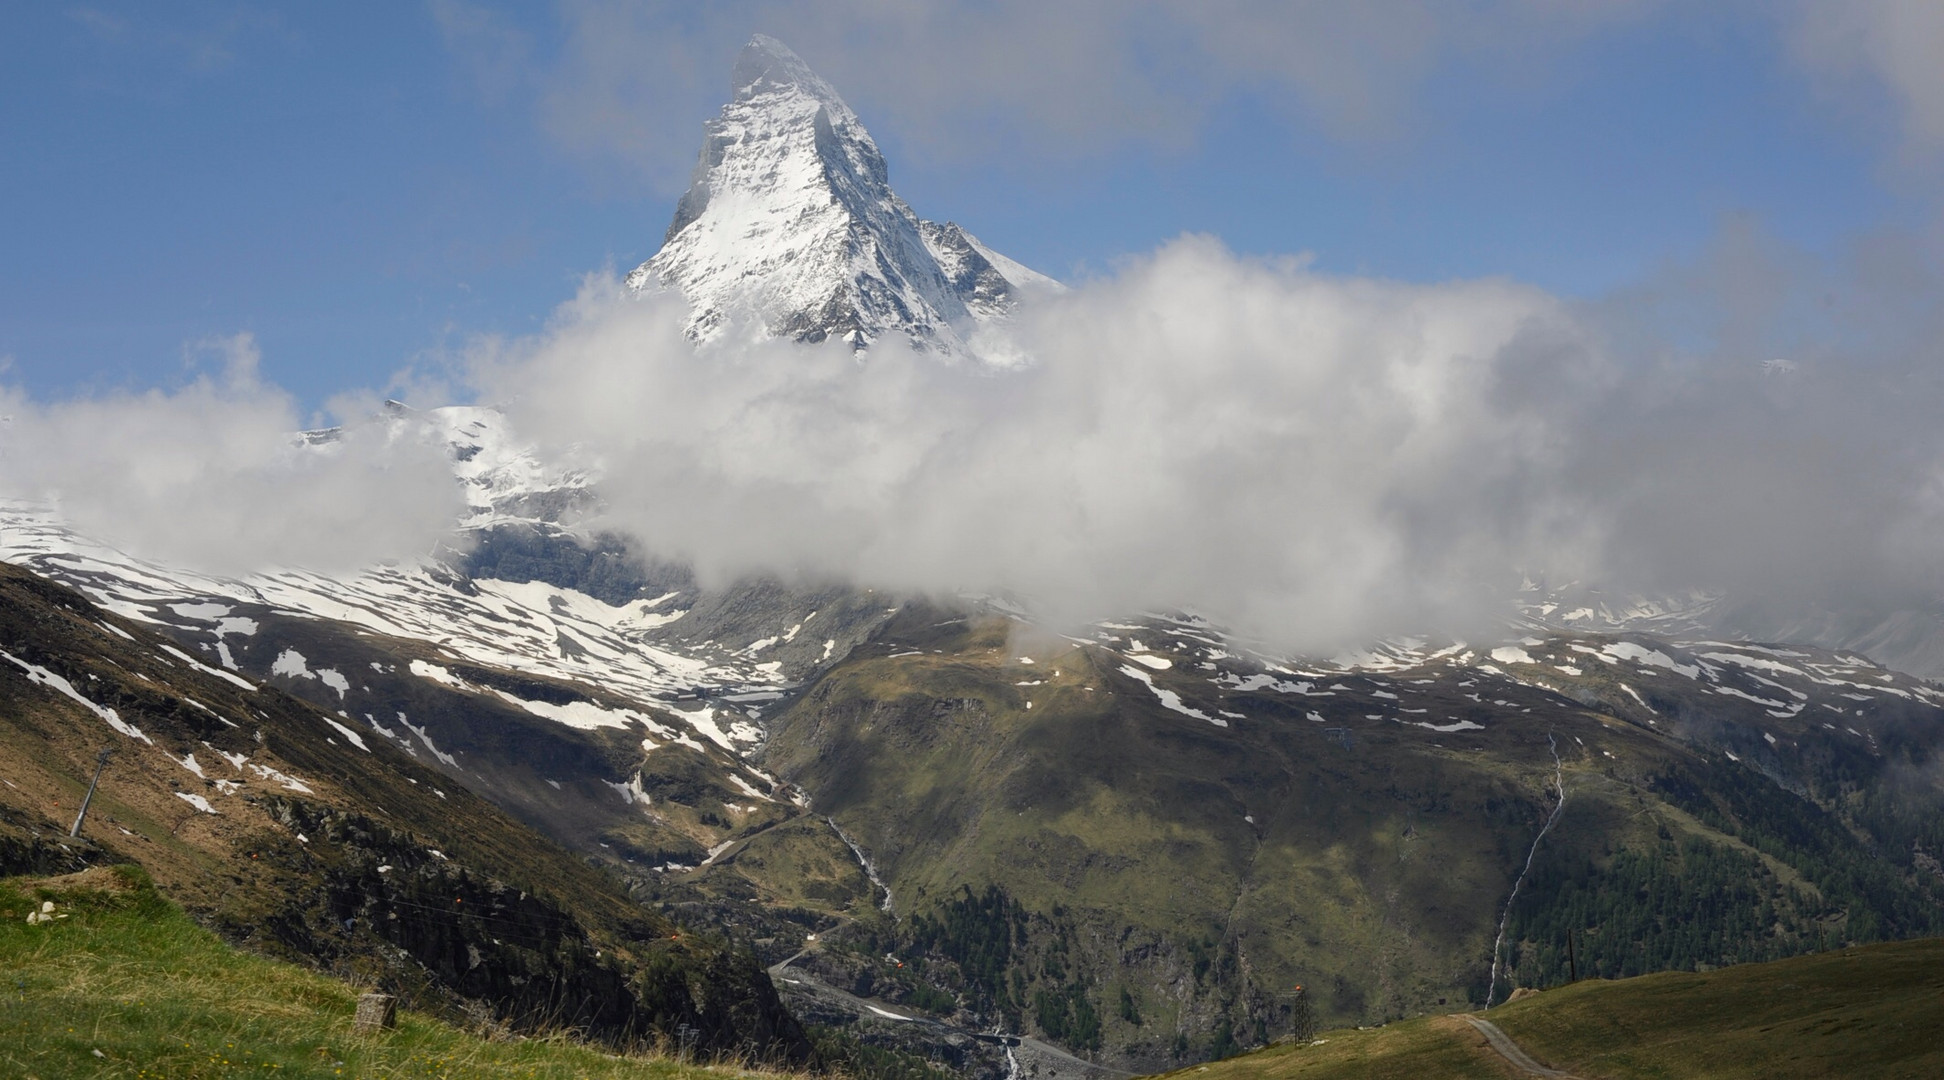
{"x":121,"y":984}
{"x":1872,"y":1011}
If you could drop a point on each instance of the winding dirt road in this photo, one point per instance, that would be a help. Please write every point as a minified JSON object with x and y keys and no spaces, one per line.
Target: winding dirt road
{"x":1026,"y":1056}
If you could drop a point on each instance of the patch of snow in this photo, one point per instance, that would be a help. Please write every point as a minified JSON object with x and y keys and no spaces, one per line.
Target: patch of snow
{"x":438,"y":675}
{"x":334,"y":680}
{"x":201,"y":612}
{"x":40,"y":676}
{"x":291,"y":662}
{"x":1627,"y":650}
{"x":1169,"y":699}
{"x":196,"y":801}
{"x":1764,"y":702}
{"x":290,"y":783}
{"x":207,"y":670}
{"x":631,"y":792}
{"x":357,"y":740}
{"x":582,"y":715}
{"x":1461,"y":725}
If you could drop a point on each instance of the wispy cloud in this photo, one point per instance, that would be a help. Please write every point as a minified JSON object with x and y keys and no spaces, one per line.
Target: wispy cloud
{"x":1882,"y":48}
{"x":628,"y":81}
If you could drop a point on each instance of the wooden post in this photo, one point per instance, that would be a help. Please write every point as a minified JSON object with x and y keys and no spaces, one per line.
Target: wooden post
{"x":376,"y":1012}
{"x":101,"y":762}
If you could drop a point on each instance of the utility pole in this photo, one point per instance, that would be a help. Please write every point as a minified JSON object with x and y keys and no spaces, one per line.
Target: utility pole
{"x":101,"y":762}
{"x":1572,"y":957}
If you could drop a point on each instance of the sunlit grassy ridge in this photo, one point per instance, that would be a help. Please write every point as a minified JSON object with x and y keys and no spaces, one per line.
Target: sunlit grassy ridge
{"x":127,"y":986}
{"x":1872,"y":1011}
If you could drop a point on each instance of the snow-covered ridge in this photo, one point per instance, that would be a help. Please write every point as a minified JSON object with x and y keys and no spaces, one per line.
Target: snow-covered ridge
{"x":531,"y":626}
{"x":790,"y":228}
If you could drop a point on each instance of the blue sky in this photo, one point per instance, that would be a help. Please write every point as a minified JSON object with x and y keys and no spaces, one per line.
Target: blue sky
{"x":364,"y":187}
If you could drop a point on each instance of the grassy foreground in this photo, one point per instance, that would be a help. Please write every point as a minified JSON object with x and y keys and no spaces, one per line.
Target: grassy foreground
{"x":1872,"y":1011}
{"x":127,"y":986}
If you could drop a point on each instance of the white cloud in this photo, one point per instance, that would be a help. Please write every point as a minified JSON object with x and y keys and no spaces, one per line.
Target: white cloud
{"x":1316,"y":460}
{"x":1313,"y":459}
{"x":212,"y":475}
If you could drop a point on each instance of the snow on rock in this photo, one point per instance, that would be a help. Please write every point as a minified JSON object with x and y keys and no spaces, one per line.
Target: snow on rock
{"x":40,"y":676}
{"x":495,"y":623}
{"x":790,"y":228}
{"x":196,"y":801}
{"x":201,"y":612}
{"x":1460,"y":725}
{"x":290,"y":783}
{"x":1627,"y":650}
{"x":1169,"y":699}
{"x":584,"y":715}
{"x":631,"y":792}
{"x":290,"y":662}
{"x":228,"y":677}
{"x":438,"y":675}
{"x":357,"y":740}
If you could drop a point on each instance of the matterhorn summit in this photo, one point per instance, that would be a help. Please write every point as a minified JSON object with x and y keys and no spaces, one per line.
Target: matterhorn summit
{"x":790,"y":228}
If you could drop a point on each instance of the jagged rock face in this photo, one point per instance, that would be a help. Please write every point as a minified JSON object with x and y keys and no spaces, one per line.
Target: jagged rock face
{"x":790,"y":227}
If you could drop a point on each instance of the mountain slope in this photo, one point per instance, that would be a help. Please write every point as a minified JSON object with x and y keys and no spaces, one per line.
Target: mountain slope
{"x":290,"y":832}
{"x":790,"y":223}
{"x":1177,"y":838}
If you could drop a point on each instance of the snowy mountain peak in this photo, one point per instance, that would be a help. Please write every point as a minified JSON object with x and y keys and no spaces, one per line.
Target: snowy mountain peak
{"x":790,"y":228}
{"x":766,"y":65}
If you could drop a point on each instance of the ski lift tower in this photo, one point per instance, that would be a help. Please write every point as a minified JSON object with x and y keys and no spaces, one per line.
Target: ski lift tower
{"x":1302,"y":1017}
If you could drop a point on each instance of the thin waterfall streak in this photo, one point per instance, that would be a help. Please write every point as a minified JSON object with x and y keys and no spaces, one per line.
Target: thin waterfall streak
{"x":1498,"y":945}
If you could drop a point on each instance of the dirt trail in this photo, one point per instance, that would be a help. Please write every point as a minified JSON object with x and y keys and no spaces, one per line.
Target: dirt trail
{"x":1511,"y":1051}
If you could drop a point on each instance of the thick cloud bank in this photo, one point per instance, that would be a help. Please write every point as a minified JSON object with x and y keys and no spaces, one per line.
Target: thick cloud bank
{"x":1311,"y":459}
{"x":1314,"y":461}
{"x":214,"y":476}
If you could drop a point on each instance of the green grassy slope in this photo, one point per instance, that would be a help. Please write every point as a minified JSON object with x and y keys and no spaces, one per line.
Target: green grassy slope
{"x":125,"y":985}
{"x":1872,"y":1011}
